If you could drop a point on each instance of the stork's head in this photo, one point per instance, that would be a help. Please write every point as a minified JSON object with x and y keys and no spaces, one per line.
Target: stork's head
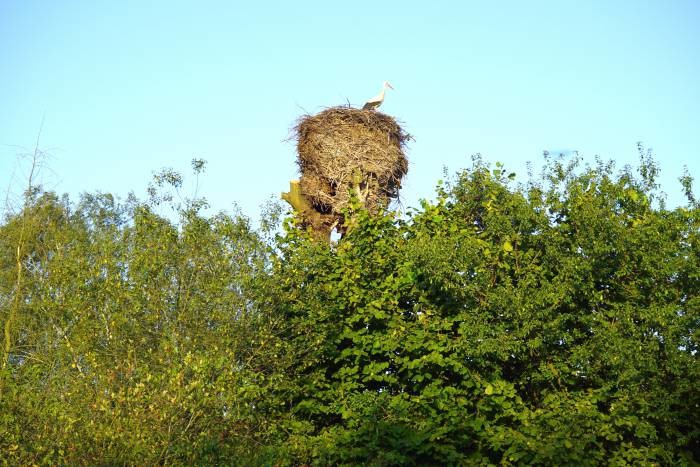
{"x":387,"y":85}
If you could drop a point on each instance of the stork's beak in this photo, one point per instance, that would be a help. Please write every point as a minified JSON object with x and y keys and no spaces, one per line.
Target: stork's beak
{"x":389,"y":85}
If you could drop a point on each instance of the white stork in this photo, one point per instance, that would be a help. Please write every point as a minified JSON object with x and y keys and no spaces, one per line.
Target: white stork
{"x":377,"y":100}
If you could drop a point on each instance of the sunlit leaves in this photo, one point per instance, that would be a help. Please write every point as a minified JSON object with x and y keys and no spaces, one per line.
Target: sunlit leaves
{"x":551,"y":323}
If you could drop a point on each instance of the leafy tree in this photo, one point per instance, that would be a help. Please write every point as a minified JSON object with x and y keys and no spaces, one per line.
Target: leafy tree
{"x":554,"y":322}
{"x":549,"y":323}
{"x":135,"y":341}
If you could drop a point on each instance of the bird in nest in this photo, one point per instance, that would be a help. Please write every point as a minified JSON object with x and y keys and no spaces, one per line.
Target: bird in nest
{"x":377,"y":100}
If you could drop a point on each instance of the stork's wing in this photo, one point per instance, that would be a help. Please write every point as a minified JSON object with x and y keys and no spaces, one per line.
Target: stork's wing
{"x":376,"y":101}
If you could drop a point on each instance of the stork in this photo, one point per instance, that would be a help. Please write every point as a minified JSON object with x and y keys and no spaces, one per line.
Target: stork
{"x":377,"y":100}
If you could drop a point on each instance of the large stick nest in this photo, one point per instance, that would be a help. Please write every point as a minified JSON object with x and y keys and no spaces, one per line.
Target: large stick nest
{"x":343,"y":147}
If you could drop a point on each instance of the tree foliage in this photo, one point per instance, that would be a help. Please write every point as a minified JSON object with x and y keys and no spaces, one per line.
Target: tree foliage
{"x":554,"y":322}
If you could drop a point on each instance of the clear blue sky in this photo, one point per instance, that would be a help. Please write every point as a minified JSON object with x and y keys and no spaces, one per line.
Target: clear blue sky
{"x":129,"y":87}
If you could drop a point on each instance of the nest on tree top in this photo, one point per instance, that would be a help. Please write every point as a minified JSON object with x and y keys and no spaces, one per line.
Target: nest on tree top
{"x":342,"y":148}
